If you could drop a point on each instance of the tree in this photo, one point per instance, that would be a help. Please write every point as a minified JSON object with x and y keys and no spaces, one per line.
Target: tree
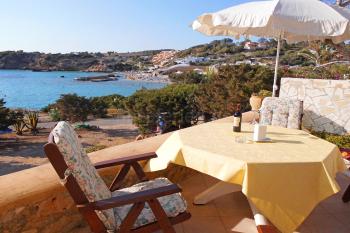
{"x":175,"y":102}
{"x":73,"y":108}
{"x":5,"y":117}
{"x":319,"y":53}
{"x":187,"y":77}
{"x":231,"y":85}
{"x":98,"y":107}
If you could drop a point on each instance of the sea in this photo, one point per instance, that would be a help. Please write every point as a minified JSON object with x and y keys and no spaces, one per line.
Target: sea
{"x":34,"y":90}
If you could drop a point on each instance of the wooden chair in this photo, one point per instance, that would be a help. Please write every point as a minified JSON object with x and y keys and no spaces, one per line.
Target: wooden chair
{"x":145,"y":207}
{"x":346,"y":156}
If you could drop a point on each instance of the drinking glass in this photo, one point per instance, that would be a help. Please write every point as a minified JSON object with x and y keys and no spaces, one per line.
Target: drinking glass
{"x":240,"y":139}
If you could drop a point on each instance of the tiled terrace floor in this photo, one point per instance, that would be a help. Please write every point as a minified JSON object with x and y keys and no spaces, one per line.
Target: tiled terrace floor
{"x":231,"y":213}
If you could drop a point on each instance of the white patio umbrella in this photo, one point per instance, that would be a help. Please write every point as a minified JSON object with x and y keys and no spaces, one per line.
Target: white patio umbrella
{"x":292,"y":20}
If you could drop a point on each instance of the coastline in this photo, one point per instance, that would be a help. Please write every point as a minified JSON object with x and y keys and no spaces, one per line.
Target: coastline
{"x":38,"y":89}
{"x":147,"y":77}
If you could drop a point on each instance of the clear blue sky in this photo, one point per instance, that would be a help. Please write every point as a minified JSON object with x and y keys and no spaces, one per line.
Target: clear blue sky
{"x":102,"y":25}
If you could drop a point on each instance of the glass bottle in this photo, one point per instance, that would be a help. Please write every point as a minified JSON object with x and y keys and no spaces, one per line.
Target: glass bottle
{"x":237,"y":119}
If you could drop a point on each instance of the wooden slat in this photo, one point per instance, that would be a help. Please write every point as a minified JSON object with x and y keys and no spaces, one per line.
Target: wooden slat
{"x":131,"y":217}
{"x":124,"y":160}
{"x":132,"y":198}
{"x":119,"y":178}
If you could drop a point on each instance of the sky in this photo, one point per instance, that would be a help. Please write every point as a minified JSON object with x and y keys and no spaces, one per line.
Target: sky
{"x":103,"y":25}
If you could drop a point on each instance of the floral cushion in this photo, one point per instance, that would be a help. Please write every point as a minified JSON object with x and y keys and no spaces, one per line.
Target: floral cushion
{"x":80,"y":166}
{"x":173,"y":204}
{"x":281,"y":112}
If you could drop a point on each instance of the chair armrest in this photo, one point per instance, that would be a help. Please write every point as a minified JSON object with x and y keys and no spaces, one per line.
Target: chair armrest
{"x":125,"y":160}
{"x":132,"y":198}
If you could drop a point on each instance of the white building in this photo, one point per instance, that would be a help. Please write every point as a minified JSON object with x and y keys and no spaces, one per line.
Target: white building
{"x":190,"y":59}
{"x":249,"y":45}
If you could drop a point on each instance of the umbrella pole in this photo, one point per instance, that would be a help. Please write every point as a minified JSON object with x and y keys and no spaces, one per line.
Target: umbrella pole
{"x":275,"y":87}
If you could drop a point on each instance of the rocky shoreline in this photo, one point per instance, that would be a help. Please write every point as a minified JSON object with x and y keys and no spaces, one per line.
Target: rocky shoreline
{"x":100,"y":78}
{"x":147,"y":77}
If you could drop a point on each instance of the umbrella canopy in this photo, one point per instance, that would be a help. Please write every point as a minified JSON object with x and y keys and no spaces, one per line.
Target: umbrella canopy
{"x":292,"y":20}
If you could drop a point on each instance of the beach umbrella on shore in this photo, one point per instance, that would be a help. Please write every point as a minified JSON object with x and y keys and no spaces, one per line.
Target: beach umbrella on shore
{"x":291,"y":20}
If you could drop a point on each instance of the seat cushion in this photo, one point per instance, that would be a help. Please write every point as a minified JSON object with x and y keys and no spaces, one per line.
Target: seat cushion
{"x":173,"y":204}
{"x":281,"y":112}
{"x":80,"y":166}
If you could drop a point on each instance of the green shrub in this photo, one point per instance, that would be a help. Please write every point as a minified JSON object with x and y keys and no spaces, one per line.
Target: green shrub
{"x":48,"y":108}
{"x":334,"y":71}
{"x":265,"y":93}
{"x":98,"y":107}
{"x":6,"y":119}
{"x":176,"y":101}
{"x":231,"y":85}
{"x":54,"y":114}
{"x":77,"y":108}
{"x":31,"y":121}
{"x":115,"y":100}
{"x":187,"y":77}
{"x":86,"y":126}
{"x":95,"y":148}
{"x":342,"y":141}
{"x":19,"y":123}
{"x":73,"y":108}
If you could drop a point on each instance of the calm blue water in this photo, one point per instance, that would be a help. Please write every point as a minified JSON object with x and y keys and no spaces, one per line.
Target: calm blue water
{"x":34,"y":90}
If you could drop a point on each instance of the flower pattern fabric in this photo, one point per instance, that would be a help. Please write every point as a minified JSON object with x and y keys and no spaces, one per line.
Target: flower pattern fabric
{"x":83,"y":170}
{"x":173,"y":204}
{"x":281,"y":112}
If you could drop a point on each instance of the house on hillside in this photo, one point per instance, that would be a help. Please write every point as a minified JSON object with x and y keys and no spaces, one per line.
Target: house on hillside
{"x":190,"y":59}
{"x":249,"y":45}
{"x":263,"y":45}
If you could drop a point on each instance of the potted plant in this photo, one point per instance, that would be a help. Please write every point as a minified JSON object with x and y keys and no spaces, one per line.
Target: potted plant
{"x":255,"y":101}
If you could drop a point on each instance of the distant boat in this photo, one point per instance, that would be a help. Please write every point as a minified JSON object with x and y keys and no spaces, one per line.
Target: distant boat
{"x":62,"y":76}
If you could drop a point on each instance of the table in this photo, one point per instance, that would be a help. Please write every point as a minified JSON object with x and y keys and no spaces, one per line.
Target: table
{"x":283,"y":180}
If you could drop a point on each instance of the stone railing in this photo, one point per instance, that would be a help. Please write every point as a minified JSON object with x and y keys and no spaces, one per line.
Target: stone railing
{"x":34,"y":200}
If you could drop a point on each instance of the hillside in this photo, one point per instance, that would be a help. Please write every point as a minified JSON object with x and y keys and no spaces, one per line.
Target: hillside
{"x":215,"y":52}
{"x":84,"y":61}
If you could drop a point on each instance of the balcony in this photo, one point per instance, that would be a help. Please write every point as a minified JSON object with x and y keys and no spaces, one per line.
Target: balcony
{"x":33,"y":200}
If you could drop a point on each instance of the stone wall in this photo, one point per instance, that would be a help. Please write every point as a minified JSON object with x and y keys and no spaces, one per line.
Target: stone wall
{"x":326,"y":102}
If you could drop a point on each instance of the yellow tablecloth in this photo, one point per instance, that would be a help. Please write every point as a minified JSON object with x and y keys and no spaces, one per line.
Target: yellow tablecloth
{"x":285,"y":179}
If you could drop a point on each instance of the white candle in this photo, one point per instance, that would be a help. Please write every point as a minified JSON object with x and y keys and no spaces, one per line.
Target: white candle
{"x":259,"y":132}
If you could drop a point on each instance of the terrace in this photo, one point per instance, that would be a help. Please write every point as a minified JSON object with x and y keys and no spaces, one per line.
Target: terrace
{"x":232,"y":181}
{"x":33,"y":200}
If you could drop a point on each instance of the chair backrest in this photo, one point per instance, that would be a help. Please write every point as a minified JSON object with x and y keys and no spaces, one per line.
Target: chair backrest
{"x":282,"y":112}
{"x":78,"y":166}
